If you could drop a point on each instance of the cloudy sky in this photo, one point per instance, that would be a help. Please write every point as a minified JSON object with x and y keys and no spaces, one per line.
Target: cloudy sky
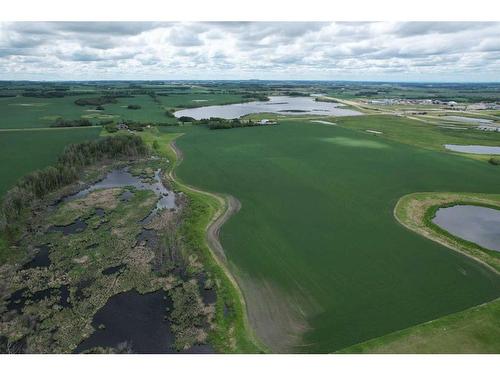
{"x":409,"y":51}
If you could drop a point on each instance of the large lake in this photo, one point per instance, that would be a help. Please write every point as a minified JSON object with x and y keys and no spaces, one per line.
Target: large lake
{"x":277,"y":104}
{"x":480,"y":225}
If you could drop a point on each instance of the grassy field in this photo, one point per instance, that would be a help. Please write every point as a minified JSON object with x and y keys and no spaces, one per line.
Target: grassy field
{"x":475,"y":330}
{"x":22,"y":152}
{"x":419,"y":133}
{"x":321,"y":260}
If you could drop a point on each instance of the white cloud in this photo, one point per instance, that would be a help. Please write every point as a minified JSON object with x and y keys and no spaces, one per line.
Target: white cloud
{"x":289,"y":50}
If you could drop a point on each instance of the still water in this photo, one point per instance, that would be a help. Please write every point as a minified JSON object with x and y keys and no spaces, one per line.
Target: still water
{"x":477,"y":224}
{"x":277,"y":104}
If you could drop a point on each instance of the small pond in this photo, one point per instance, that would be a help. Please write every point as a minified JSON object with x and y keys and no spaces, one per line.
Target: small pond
{"x":477,"y":224}
{"x":41,"y":258}
{"x":474,"y":149}
{"x":139,"y":320}
{"x":77,"y":226}
{"x":471,"y":120}
{"x":277,"y":104}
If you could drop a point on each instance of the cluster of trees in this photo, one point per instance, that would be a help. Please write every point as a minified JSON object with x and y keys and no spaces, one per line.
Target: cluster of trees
{"x":36,"y":185}
{"x":111,"y":127}
{"x":494,"y":160}
{"x":62,"y":123}
{"x":97,"y":101}
{"x":44,"y":94}
{"x":296,"y":93}
{"x":219,"y":123}
{"x":256,"y":96}
{"x":134,"y":106}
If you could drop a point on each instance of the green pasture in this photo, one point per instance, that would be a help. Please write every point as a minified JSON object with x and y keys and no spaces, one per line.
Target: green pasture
{"x":316,"y":229}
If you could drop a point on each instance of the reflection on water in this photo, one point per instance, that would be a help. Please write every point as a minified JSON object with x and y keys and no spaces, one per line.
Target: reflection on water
{"x":480,"y":225}
{"x":137,"y":322}
{"x":276,"y":104}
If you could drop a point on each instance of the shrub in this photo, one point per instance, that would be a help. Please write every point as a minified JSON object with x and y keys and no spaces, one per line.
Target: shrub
{"x":494,"y":160}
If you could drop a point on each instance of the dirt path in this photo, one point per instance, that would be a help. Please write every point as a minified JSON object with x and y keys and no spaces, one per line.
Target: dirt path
{"x":229,"y":206}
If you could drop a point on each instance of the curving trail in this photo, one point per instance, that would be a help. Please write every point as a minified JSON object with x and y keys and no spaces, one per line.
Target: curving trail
{"x":228,"y":206}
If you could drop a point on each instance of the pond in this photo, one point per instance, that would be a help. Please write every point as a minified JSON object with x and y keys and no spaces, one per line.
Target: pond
{"x":471,"y":120}
{"x":477,"y":224}
{"x":136,"y":321}
{"x":474,"y":149}
{"x":41,"y":258}
{"x":78,"y":226}
{"x":284,"y":105}
{"x":122,"y":178}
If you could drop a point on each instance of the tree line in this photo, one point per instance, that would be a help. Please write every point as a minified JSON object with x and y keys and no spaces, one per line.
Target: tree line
{"x":20,"y":198}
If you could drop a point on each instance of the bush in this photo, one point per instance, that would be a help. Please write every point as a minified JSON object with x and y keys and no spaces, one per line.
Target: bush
{"x":494,"y":160}
{"x":111,"y":128}
{"x":186,"y":119}
{"x":62,"y":123}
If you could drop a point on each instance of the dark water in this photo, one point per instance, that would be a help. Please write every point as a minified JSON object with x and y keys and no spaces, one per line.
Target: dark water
{"x":20,"y":297}
{"x":113,"y":270}
{"x":17,"y":300}
{"x":126,"y":196}
{"x":480,"y":225}
{"x":276,"y":104}
{"x":41,"y":258}
{"x":208,"y":295}
{"x":148,"y":237}
{"x":137,"y":319}
{"x":77,"y":226}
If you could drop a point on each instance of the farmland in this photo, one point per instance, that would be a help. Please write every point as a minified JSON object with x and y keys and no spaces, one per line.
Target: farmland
{"x":24,"y":151}
{"x":317,"y":203}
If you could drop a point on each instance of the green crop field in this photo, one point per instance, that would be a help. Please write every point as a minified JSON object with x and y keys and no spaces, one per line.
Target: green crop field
{"x":322,"y":262}
{"x":149,"y":111}
{"x":419,"y":133}
{"x":20,"y":112}
{"x":22,"y":152}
